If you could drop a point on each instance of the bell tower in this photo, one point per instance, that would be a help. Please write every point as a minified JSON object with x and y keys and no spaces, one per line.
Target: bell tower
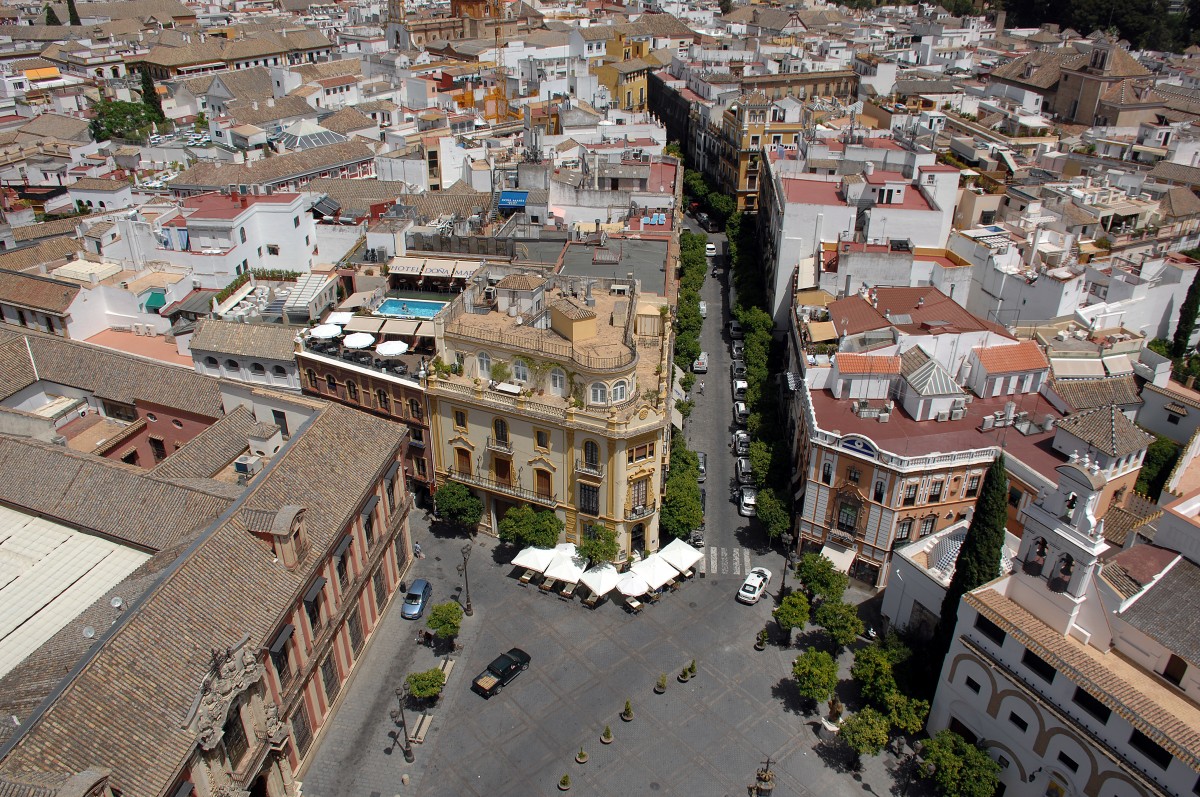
{"x":1061,"y":548}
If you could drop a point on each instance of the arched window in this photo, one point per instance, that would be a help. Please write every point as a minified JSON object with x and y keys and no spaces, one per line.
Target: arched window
{"x":485,"y":365}
{"x":331,"y":383}
{"x":352,"y":391}
{"x":558,"y":381}
{"x":619,"y":390}
{"x":599,"y":393}
{"x":311,"y":375}
{"x":231,"y":365}
{"x":280,"y":372}
{"x":591,"y":453}
{"x":500,"y":427}
{"x":258,"y":369}
{"x":520,"y":372}
{"x":211,"y":362}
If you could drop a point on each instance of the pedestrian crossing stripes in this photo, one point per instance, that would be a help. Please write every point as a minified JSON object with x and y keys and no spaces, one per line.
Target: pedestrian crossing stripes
{"x":725,"y":561}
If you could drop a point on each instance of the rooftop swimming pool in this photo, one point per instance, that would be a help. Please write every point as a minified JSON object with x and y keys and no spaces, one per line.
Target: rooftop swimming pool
{"x":409,"y":308}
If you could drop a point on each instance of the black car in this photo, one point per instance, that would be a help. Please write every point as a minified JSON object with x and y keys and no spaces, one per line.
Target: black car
{"x":500,"y":672}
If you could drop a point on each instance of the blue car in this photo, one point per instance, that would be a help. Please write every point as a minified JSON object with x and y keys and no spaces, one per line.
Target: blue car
{"x":418,"y":597}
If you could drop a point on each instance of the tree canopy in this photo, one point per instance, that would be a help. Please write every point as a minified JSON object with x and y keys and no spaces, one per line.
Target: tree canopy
{"x":525,"y":526}
{"x":150,"y":97}
{"x":772,"y":513}
{"x":682,"y":513}
{"x":427,"y":684}
{"x":599,"y":544}
{"x":51,"y":17}
{"x":816,"y":674}
{"x":820,"y":578}
{"x":457,"y":506}
{"x":866,"y":733}
{"x":792,"y":612}
{"x":958,"y":768}
{"x":445,"y":619}
{"x":979,"y":557}
{"x":120,"y":119}
{"x":840,"y":621}
{"x":72,"y":13}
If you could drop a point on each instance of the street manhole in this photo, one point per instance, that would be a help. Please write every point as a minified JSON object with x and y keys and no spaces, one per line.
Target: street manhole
{"x":655,"y":787}
{"x":437,"y":558}
{"x":693,"y":605}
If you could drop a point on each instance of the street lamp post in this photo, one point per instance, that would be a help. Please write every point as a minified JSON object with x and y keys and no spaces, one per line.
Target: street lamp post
{"x":466,"y":554}
{"x":787,"y":564}
{"x":398,"y":716}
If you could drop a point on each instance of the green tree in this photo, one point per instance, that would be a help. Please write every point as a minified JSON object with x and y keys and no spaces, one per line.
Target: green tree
{"x":694,"y":184}
{"x":820,"y":578}
{"x":682,"y":512}
{"x":726,"y":6}
{"x":721,"y":206}
{"x":426,"y":685}
{"x":958,"y":768}
{"x":816,"y":674}
{"x":792,"y":612}
{"x":150,"y":97}
{"x":1160,"y":460}
{"x":760,"y":455}
{"x":673,"y":149}
{"x":873,"y":671}
{"x":599,"y":544}
{"x":979,"y":558}
{"x":524,"y":526}
{"x":840,"y":621}
{"x":445,"y":619}
{"x":772,"y":513}
{"x":1186,"y":323}
{"x":457,"y":506}
{"x":120,"y":119}
{"x":907,"y":714}
{"x":866,"y":733}
{"x":72,"y":14}
{"x":51,"y":17}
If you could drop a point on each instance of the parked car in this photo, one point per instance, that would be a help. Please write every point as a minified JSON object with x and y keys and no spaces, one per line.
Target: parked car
{"x":500,"y":672}
{"x":755,"y":585}
{"x":735,"y":330}
{"x":739,"y":388}
{"x":747,"y":502}
{"x":704,"y":309}
{"x":745,"y":473}
{"x":703,"y":460}
{"x":741,"y":442}
{"x":702,"y":220}
{"x":741,"y":413}
{"x":710,"y":250}
{"x":737,"y":349}
{"x":737,"y":369}
{"x":418,"y":597}
{"x":700,"y":366}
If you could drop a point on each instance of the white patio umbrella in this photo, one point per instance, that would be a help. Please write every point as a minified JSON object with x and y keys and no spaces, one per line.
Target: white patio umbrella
{"x":391,"y":348}
{"x":679,"y":555}
{"x":601,"y":579}
{"x":565,"y":567}
{"x":359,"y":340}
{"x":632,"y":585}
{"x":534,"y":558}
{"x":325,"y":331}
{"x":654,"y":570}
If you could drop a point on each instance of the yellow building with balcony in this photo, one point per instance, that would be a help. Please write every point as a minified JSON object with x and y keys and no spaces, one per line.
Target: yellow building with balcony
{"x":554,"y":391}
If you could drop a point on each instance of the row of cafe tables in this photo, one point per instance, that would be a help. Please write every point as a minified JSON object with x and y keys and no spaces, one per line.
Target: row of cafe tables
{"x":646,"y":579}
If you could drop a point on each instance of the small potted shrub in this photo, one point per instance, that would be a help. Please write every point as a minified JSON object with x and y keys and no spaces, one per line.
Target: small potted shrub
{"x":581,"y":757}
{"x":760,"y":642}
{"x":661,"y":686}
{"x":564,"y":784}
{"x":684,"y":675}
{"x":627,"y":714}
{"x":692,"y":669}
{"x":606,"y":737}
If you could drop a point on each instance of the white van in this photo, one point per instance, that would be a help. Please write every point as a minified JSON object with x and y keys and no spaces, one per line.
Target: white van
{"x":700,"y":366}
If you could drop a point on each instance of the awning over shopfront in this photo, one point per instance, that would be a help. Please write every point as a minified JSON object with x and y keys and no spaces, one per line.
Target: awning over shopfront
{"x":401,"y":327}
{"x":841,"y":557}
{"x":465,"y":268}
{"x":406,"y":265}
{"x":364,"y":323}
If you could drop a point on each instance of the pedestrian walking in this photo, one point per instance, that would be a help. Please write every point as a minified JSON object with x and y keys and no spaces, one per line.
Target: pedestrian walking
{"x":417,"y":550}
{"x":700,"y":388}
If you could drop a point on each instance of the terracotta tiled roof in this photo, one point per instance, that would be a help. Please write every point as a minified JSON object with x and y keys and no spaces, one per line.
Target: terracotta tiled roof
{"x":97,"y":184}
{"x":211,"y":450}
{"x":572,"y":310}
{"x":269,"y":341}
{"x":274,"y":170}
{"x":851,"y":363}
{"x":1179,"y":202}
{"x":1023,"y":356}
{"x":1176,"y":392}
{"x":1086,"y":394}
{"x":1176,"y":173}
{"x":36,"y":293}
{"x":1169,"y":612}
{"x":145,"y":678}
{"x":44,"y":252}
{"x":1151,"y":707}
{"x":1107,"y":429}
{"x":521,"y":282}
{"x":854,"y":314}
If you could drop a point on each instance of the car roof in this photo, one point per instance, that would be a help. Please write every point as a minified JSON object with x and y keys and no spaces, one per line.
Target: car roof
{"x":418,"y":585}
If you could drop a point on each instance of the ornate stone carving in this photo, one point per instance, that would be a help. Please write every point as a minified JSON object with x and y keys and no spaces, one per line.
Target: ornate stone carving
{"x":229,"y":790}
{"x":233,"y":670}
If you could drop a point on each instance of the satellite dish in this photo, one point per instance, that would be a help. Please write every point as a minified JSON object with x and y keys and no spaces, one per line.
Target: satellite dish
{"x":117,"y":602}
{"x":89,"y":632}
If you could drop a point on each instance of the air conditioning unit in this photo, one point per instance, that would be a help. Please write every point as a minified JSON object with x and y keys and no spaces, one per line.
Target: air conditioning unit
{"x":957,"y":415}
{"x":988,"y":422}
{"x":943,"y":416}
{"x":247,"y":464}
{"x":489,"y":293}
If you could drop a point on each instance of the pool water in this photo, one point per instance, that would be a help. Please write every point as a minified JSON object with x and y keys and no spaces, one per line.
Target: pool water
{"x":409,"y":308}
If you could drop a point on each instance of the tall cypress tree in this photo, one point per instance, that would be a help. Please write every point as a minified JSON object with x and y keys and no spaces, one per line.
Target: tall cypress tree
{"x":51,"y":17}
{"x":150,"y":97}
{"x":1187,"y":318}
{"x":72,"y":14}
{"x":979,"y":558}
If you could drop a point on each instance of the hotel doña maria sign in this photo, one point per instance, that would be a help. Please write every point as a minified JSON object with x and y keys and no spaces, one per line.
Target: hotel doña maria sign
{"x":860,"y":446}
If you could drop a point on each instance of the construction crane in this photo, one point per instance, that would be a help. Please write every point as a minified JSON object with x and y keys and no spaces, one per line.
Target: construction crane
{"x":496,"y":102}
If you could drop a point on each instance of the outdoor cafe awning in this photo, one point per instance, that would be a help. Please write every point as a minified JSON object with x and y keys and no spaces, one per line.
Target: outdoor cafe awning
{"x":465,"y":268}
{"x":841,"y":557}
{"x":406,"y":265}
{"x":364,"y":323}
{"x":400,"y":326}
{"x":435,"y":268}
{"x":425,"y":330}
